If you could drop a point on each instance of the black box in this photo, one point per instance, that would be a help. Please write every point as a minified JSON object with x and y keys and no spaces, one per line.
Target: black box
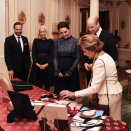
{"x":19,"y":85}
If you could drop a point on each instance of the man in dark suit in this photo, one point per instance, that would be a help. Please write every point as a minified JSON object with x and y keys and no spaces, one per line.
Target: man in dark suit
{"x":17,"y":54}
{"x":104,"y":36}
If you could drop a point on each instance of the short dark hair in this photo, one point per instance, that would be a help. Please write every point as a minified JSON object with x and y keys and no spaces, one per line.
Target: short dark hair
{"x":62,"y":25}
{"x":17,"y":23}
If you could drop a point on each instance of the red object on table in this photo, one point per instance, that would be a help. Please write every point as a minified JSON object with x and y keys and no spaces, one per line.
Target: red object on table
{"x":23,"y":124}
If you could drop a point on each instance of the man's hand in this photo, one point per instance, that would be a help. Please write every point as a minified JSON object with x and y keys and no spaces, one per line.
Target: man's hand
{"x":88,"y":66}
{"x":11,"y":73}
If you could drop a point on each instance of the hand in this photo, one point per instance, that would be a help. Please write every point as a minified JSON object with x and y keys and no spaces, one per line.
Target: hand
{"x":66,"y":93}
{"x":60,"y":74}
{"x":42,"y":67}
{"x":11,"y":73}
{"x":66,"y":75}
{"x":88,"y":66}
{"x":38,"y":65}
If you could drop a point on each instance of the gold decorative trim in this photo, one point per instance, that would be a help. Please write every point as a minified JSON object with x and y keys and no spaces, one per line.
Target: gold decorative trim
{"x":128,"y":2}
{"x":118,"y":3}
{"x":123,"y":24}
{"x":22,"y":17}
{"x":67,"y":20}
{"x":41,"y":19}
{"x":107,"y":2}
{"x":127,"y":46}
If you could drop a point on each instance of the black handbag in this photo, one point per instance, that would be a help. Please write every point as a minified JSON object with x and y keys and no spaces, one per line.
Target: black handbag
{"x":105,"y":108}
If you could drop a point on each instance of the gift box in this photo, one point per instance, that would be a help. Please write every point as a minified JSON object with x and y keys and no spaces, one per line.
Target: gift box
{"x":19,"y":85}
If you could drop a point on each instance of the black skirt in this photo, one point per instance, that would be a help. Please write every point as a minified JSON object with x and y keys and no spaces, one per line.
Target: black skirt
{"x":42,"y":77}
{"x":67,"y":83}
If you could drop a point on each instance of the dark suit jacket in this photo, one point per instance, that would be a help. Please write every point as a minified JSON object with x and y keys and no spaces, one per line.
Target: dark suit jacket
{"x":109,"y":46}
{"x":15,"y":59}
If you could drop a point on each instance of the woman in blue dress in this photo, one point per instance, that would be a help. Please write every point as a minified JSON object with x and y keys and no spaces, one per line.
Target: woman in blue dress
{"x":66,"y":58}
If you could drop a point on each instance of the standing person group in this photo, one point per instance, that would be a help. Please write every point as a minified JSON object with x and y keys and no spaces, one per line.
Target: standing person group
{"x":100,"y":53}
{"x":104,"y":76}
{"x":65,"y":53}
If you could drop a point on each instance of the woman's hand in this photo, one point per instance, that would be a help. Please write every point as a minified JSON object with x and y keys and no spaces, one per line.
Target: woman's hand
{"x":66,"y":75}
{"x":42,"y":67}
{"x":38,"y":65}
{"x":60,"y":74}
{"x":66,"y":93}
{"x":88,"y":66}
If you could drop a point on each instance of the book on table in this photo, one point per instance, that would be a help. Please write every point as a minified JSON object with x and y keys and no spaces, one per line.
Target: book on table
{"x":88,"y":119}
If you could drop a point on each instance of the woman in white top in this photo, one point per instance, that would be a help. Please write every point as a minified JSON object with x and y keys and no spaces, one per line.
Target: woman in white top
{"x":104,"y":70}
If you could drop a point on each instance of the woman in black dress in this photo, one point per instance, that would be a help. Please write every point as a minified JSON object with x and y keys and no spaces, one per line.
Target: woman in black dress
{"x":66,"y":59}
{"x":42,"y":72}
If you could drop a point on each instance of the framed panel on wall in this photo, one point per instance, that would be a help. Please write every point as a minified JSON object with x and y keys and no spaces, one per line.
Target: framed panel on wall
{"x":104,"y":20}
{"x":84,"y":15}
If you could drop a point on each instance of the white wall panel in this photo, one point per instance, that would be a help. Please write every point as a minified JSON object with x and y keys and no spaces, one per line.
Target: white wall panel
{"x":3,"y":68}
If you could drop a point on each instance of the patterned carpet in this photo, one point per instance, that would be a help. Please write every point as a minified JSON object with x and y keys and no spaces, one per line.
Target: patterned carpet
{"x":124,"y":82}
{"x":126,"y":104}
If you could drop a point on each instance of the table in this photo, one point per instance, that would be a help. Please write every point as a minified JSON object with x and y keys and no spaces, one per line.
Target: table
{"x":22,"y":124}
{"x":129,"y":78}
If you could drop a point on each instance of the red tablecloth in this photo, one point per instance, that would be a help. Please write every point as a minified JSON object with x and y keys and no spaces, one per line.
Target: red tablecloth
{"x":22,"y":124}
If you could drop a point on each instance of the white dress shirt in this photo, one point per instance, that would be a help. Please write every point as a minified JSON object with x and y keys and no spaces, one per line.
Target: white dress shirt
{"x":21,"y":42}
{"x":99,"y":32}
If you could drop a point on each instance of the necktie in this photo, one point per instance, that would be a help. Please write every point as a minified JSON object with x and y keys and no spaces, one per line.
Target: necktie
{"x":19,"y":42}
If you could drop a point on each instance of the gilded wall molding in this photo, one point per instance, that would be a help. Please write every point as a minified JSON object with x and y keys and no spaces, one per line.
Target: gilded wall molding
{"x":118,"y":3}
{"x":41,"y":19}
{"x":123,"y":24}
{"x":107,"y":2}
{"x":67,"y":19}
{"x":128,"y":2}
{"x":22,"y":17}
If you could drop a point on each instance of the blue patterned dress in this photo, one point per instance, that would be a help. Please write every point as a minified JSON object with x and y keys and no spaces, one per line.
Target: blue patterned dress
{"x":66,"y":58}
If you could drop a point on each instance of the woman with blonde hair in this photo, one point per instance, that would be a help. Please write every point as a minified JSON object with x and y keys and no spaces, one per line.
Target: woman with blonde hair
{"x":104,"y":76}
{"x":42,"y":72}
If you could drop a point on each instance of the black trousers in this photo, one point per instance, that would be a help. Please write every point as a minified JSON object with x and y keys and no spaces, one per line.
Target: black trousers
{"x":23,"y":74}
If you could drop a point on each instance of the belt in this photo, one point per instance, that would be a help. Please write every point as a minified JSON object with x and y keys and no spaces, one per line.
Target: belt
{"x":43,"y":54}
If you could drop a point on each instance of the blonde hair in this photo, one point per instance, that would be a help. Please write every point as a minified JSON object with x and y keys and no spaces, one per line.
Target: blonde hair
{"x":42,"y":26}
{"x":90,"y":42}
